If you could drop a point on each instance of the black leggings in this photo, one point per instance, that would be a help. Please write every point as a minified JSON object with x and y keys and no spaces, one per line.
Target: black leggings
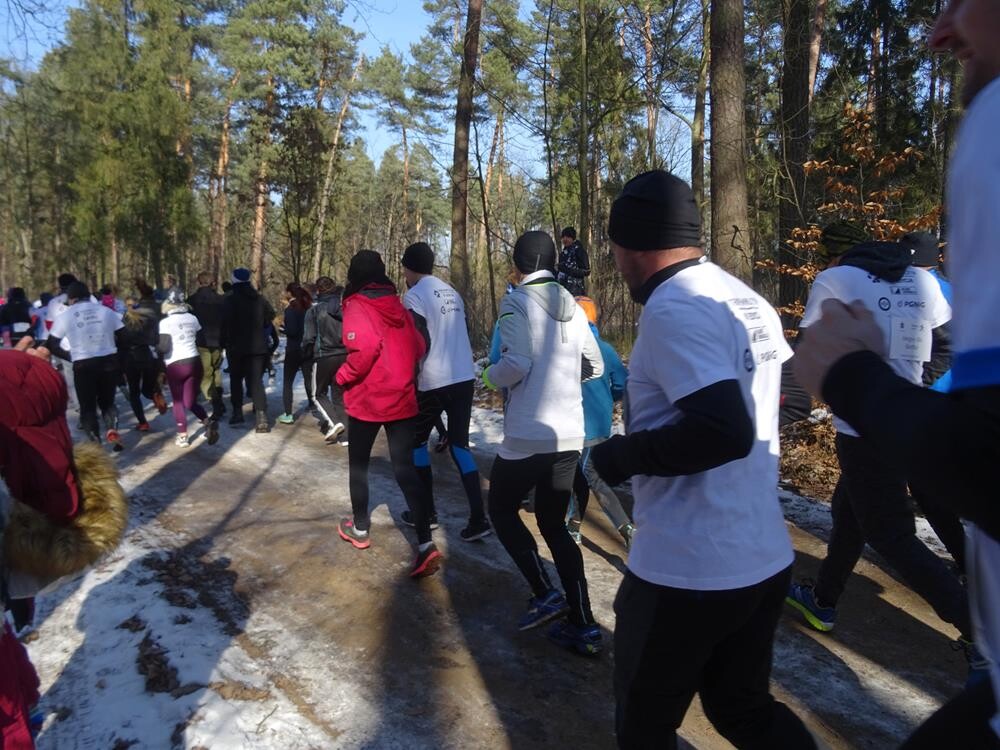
{"x":359,"y":451}
{"x":551,"y":474}
{"x":143,"y":380}
{"x":96,"y":381}
{"x":328,"y":394}
{"x":294,"y":363}
{"x":248,"y":367}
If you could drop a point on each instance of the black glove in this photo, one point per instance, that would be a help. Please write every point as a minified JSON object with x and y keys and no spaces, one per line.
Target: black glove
{"x":610,"y":460}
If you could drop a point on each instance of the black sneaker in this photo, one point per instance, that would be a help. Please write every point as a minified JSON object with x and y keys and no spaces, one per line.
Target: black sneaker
{"x":237,"y":418}
{"x":407,"y":518}
{"x":476,"y":530}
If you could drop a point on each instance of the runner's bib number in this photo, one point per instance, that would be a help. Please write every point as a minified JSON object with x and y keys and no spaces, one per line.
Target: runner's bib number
{"x":911,"y":339}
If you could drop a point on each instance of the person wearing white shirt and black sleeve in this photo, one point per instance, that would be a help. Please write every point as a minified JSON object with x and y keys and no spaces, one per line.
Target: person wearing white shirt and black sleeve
{"x":446,"y":382}
{"x":711,"y":558}
{"x":546,"y":351}
{"x":871,"y":503}
{"x":89,"y":327}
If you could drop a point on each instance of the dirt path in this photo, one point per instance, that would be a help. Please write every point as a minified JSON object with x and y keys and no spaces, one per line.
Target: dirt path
{"x":346,"y":651}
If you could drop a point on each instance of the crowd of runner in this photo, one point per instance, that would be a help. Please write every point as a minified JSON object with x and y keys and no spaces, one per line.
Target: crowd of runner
{"x":710,"y":559}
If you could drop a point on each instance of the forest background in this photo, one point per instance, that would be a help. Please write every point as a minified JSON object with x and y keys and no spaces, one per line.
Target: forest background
{"x":163,"y":137}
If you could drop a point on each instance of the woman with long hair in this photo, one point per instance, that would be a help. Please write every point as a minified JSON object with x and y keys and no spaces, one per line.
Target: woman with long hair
{"x":299,"y":301}
{"x":380,"y":391}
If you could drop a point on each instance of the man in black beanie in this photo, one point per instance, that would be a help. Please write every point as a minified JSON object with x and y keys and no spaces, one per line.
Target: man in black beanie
{"x":574,"y":264}
{"x":245,"y":317}
{"x":446,"y":382}
{"x":711,"y":558}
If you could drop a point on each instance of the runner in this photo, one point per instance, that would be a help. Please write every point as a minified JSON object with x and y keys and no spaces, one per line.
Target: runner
{"x":299,"y":302}
{"x":178,"y":343}
{"x":245,"y":317}
{"x":446,"y":382}
{"x":16,"y":318}
{"x":379,"y":382}
{"x":545,"y":340}
{"x":140,"y":363}
{"x":322,"y":342}
{"x":89,"y":328}
{"x":711,"y":557}
{"x":206,"y":304}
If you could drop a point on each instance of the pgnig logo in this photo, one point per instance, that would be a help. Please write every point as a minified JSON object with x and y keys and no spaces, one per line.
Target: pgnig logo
{"x":884,"y":304}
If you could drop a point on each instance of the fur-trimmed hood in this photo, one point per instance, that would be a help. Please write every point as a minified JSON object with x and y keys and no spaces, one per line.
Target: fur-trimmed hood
{"x":35,"y":546}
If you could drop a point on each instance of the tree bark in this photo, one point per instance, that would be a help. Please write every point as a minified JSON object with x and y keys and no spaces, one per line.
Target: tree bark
{"x":582,"y":131}
{"x":460,"y":162}
{"x":730,"y":225}
{"x":816,"y":43}
{"x":652,"y":109}
{"x":331,"y":158}
{"x":220,"y":218}
{"x":698,"y":121}
{"x":261,"y":198}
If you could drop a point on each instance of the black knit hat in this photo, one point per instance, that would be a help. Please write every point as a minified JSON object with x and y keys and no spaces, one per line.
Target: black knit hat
{"x":923,"y":247}
{"x":839,"y":237}
{"x":534,"y":251}
{"x":569,"y":232}
{"x":65,"y":279}
{"x":655,"y":211}
{"x":77,"y":290}
{"x":419,"y":258}
{"x":366,"y":267}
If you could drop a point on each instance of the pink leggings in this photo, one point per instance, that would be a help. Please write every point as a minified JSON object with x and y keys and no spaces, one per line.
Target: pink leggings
{"x":184,"y":379}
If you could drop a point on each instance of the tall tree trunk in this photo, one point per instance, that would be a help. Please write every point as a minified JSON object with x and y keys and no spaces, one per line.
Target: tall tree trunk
{"x":261,"y":198}
{"x":698,"y":121}
{"x":115,"y":260}
{"x":816,"y":43}
{"x":405,"y":223}
{"x":874,"y":66}
{"x":582,"y":131}
{"x":546,"y":131}
{"x":487,"y":183}
{"x":795,"y":142}
{"x":220,"y":217}
{"x":652,"y":109}
{"x":331,"y":158}
{"x":460,"y":161}
{"x":730,"y":225}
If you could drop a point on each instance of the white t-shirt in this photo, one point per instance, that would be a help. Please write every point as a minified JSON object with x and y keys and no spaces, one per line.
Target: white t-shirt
{"x":182,"y":328}
{"x":89,"y":328}
{"x":56,"y":306}
{"x":906,"y":310}
{"x":450,"y":357}
{"x":722,"y":528}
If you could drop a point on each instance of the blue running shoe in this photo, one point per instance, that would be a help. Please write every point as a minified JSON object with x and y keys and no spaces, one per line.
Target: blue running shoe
{"x":543,"y":609}
{"x":583,"y":639}
{"x":803,"y":598}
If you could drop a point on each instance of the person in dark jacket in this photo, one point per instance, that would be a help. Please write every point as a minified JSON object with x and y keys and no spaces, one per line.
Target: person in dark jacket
{"x":322,"y":342}
{"x":299,"y":301}
{"x":16,"y":320}
{"x":140,"y":364}
{"x":206,"y":304}
{"x":574,"y":264}
{"x":245,"y":316}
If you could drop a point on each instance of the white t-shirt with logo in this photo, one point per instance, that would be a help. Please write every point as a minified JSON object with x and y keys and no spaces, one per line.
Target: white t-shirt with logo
{"x":182,"y":327}
{"x":89,"y":328}
{"x":722,"y":528}
{"x":906,"y":310}
{"x":450,"y":357}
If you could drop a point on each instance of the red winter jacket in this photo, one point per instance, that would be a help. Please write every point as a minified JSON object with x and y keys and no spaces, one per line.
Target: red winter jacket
{"x":383,"y":348}
{"x":18,"y":692}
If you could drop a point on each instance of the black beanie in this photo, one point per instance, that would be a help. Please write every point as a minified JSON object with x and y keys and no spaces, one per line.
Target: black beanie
{"x":366,"y":267}
{"x":419,"y":258}
{"x":655,"y":211}
{"x":65,"y":279}
{"x":77,"y":290}
{"x":923,"y":248}
{"x":534,"y":251}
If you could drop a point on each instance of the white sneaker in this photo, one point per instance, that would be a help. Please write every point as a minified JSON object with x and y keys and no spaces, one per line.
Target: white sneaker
{"x":182,"y":440}
{"x":333,"y":433}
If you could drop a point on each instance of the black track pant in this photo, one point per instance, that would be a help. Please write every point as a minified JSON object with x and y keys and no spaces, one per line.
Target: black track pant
{"x":143,"y":380}
{"x":672,"y":643}
{"x":329,"y":396}
{"x":96,"y":381}
{"x":961,"y":722}
{"x":551,"y":474}
{"x":359,"y":451}
{"x":456,"y":401}
{"x":294,"y":363}
{"x":248,"y":367}
{"x":870,"y":504}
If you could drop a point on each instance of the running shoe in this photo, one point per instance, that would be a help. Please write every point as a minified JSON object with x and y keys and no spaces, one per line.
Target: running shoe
{"x":181,"y":441}
{"x":286,"y":418}
{"x":350,"y":534}
{"x":573,"y":527}
{"x":476,"y":530}
{"x":115,"y":439}
{"x":160,"y":402}
{"x":586,"y":640}
{"x":237,"y":418}
{"x":979,"y":665}
{"x":802,"y":597}
{"x":627,"y":531}
{"x":333,"y":433}
{"x":407,"y":518}
{"x":143,"y":427}
{"x":543,"y":609}
{"x":427,"y":563}
{"x":212,"y":430}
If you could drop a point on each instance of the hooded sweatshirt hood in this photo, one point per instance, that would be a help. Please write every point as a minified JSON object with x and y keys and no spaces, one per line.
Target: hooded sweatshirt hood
{"x":381,"y":299}
{"x":886,"y":260}
{"x":553,"y":298}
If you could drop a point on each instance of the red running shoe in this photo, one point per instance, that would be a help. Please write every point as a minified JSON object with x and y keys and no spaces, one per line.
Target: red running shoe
{"x":427,"y":562}
{"x":160,"y":402}
{"x":350,"y":534}
{"x":116,"y":442}
{"x":143,"y":427}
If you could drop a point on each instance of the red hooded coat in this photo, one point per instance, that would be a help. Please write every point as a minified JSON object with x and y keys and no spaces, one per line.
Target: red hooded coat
{"x":383,"y":350}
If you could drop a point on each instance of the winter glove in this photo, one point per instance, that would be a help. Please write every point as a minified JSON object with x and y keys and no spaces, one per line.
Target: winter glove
{"x":610,"y":460}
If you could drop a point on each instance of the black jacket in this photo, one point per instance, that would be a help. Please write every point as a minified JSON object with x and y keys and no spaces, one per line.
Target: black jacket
{"x":323,"y":334}
{"x":206,"y":304}
{"x":245,"y":316}
{"x":294,"y":325}
{"x":13,"y":313}
{"x":137,"y":336}
{"x":574,"y":267}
